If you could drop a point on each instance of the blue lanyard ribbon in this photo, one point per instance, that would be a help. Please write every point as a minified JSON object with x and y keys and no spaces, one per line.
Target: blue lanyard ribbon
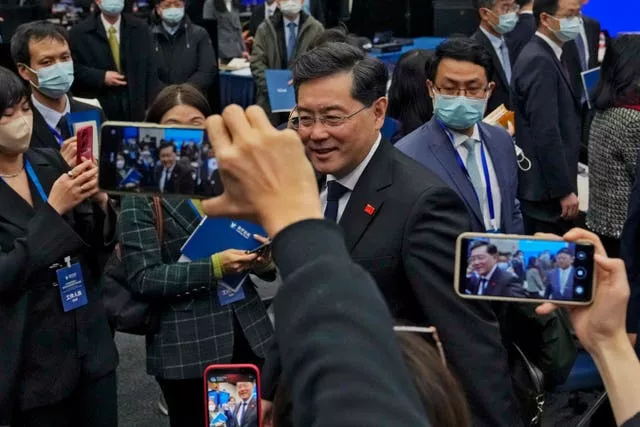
{"x":35,"y":180}
{"x":57,"y":135}
{"x":485,"y":170}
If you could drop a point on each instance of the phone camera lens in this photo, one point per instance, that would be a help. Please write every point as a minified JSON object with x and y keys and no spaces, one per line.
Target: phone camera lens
{"x":579,"y":290}
{"x":581,"y":255}
{"x":581,"y":273}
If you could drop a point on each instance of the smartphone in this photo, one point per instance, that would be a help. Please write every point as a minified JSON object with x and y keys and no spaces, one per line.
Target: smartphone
{"x":507,"y":267}
{"x":260,"y":250}
{"x":232,"y":394}
{"x":152,"y":159}
{"x":84,"y":144}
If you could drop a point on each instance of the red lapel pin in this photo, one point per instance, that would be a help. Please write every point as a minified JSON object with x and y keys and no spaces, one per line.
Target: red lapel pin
{"x":369,"y":209}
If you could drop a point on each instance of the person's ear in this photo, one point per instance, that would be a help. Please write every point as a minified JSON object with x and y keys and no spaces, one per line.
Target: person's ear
{"x":485,"y":14}
{"x":490,"y":88}
{"x":380,"y":111}
{"x":27,"y":74}
{"x":430,"y":88}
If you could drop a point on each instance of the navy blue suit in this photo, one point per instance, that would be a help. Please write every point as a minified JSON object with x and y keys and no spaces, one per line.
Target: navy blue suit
{"x":521,"y":34}
{"x":430,"y":146}
{"x":548,"y":129}
{"x":500,"y":93}
{"x":554,"y":286}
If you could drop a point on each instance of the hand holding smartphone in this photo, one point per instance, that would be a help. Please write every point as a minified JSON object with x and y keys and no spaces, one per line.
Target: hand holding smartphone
{"x":232,"y":395}
{"x":524,"y":268}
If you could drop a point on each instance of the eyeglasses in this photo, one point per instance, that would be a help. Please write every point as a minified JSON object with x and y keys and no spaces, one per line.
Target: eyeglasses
{"x":431,"y":330}
{"x":473,"y":93}
{"x":330,"y":120}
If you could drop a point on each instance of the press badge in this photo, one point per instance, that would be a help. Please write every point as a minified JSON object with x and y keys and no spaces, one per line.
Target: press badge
{"x":72,"y":290}
{"x":228,"y":296}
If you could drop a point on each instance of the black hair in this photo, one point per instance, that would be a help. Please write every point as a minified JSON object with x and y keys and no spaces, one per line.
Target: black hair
{"x":462,"y":49}
{"x":13,"y":89}
{"x":518,"y":252}
{"x":532,"y":262}
{"x":409,"y":100}
{"x":174,"y":95}
{"x":620,"y":74}
{"x":336,"y":35}
{"x":37,"y":30}
{"x":479,"y":4}
{"x":565,"y":251}
{"x":523,"y":3}
{"x":491,"y":249}
{"x":550,"y":7}
{"x":370,"y":75}
{"x":167,"y":145}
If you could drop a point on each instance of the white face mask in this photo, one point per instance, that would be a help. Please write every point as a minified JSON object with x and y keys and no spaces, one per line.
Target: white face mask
{"x":15,"y":135}
{"x":290,"y":7}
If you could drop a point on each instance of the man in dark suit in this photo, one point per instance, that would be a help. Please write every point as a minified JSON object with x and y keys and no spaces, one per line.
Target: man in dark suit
{"x":400,"y":220}
{"x":548,"y":122}
{"x":114,"y":62}
{"x":524,"y":30}
{"x":497,"y":18}
{"x":41,"y":53}
{"x":560,"y":279}
{"x":442,"y":144}
{"x":489,"y":278}
{"x":172,"y":176}
{"x":245,"y":413}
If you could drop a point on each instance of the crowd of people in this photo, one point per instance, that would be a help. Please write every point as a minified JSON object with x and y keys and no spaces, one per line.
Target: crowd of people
{"x":362,"y":227}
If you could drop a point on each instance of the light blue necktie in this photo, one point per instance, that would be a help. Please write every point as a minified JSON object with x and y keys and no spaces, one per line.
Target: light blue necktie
{"x":582,"y":51}
{"x":472,"y":169}
{"x":506,"y":62}
{"x":292,"y":40}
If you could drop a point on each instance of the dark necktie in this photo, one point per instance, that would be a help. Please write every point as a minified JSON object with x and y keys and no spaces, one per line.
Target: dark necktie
{"x":335,"y":191}
{"x":63,"y":128}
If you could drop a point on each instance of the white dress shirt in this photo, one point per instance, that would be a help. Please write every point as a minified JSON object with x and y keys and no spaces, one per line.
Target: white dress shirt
{"x":166,"y":176}
{"x":458,"y":142}
{"x":564,"y":278}
{"x":228,"y":5}
{"x":487,"y":278}
{"x":288,"y":30}
{"x":51,"y":116}
{"x":108,"y":25}
{"x":557,"y":49}
{"x":497,"y":43}
{"x":349,"y":181}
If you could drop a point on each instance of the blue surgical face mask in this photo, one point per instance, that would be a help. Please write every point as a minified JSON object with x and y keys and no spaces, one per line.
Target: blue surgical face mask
{"x":569,"y":28}
{"x":507,"y":23}
{"x":112,"y":7}
{"x":173,"y":15}
{"x":55,"y":80}
{"x":503,"y":265}
{"x":459,"y":112}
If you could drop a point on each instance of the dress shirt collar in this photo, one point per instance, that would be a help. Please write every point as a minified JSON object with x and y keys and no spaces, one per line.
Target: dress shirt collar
{"x":352,"y":178}
{"x":526,"y":12}
{"x":108,"y":25}
{"x":295,"y":21}
{"x":51,"y":116}
{"x":228,"y":5}
{"x":557,"y":49}
{"x":495,"y":41}
{"x":460,"y":138}
{"x":171,"y":29}
{"x":490,"y":275}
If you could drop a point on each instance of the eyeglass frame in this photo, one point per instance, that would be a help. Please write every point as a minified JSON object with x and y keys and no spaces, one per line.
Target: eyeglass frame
{"x":465,"y":92}
{"x":431,"y":330}
{"x":322,"y":118}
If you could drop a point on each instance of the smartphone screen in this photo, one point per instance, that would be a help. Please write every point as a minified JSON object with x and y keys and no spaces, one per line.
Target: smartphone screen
{"x":524,"y":268}
{"x":233,"y":395}
{"x":84,"y":144}
{"x":145,"y":158}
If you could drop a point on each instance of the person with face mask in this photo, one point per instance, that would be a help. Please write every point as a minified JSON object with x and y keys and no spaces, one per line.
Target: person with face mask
{"x":183,"y":51}
{"x":114,"y":61}
{"x":42,"y":56}
{"x":279,"y":41}
{"x":497,"y":18}
{"x":524,"y":29}
{"x":548,"y":120}
{"x":57,"y":352}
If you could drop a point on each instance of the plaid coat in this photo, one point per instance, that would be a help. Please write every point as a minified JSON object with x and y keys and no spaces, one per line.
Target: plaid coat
{"x":195,"y":329}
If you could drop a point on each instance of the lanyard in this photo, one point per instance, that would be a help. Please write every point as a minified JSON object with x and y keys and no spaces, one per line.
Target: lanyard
{"x":196,"y":205}
{"x":57,"y":135}
{"x":35,"y":180}
{"x":485,"y":171}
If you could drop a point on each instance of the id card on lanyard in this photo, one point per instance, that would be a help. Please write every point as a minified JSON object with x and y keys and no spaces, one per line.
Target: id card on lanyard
{"x":485,"y":171}
{"x":57,"y":135}
{"x":73,"y":293}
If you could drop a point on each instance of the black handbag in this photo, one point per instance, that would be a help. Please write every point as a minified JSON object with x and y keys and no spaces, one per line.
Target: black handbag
{"x":528,"y":384}
{"x":124,"y":312}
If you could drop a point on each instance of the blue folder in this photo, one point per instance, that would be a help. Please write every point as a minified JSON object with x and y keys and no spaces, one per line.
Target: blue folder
{"x":590,"y":80}
{"x":83,"y":116}
{"x":132,"y":177}
{"x":282,"y":97}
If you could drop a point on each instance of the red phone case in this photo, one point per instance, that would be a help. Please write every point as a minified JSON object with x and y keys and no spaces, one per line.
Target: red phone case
{"x":209,"y":368}
{"x":85,"y":143}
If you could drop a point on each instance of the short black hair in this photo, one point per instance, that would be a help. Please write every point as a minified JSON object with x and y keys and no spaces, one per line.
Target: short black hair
{"x":370,"y":75}
{"x":523,"y":3}
{"x":167,"y":145}
{"x":13,"y":89}
{"x":336,"y":35}
{"x":550,"y":7}
{"x":462,"y":49}
{"x":565,"y":251}
{"x":479,"y":4}
{"x":174,"y":95}
{"x":491,"y":249}
{"x":620,"y":74}
{"x":37,"y":30}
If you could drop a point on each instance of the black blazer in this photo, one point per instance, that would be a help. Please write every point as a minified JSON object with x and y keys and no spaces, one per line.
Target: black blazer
{"x":548,"y":126}
{"x":408,"y":246}
{"x":46,"y":352}
{"x":42,"y":136}
{"x":501,"y":92}
{"x":630,"y":252}
{"x":501,"y":283}
{"x":521,"y":34}
{"x":181,"y":181}
{"x":92,"y":58}
{"x":257,"y":17}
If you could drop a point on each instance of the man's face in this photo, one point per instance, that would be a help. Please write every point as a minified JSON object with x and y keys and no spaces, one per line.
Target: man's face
{"x":166,"y":4}
{"x":244,"y":390}
{"x":337,"y":149}
{"x":44,"y":53}
{"x":500,"y":7}
{"x":566,"y":9}
{"x":453,"y":75}
{"x":482,"y":261}
{"x":167,"y":157}
{"x":564,"y":261}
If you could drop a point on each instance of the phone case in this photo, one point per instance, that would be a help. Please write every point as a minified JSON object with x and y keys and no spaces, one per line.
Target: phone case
{"x":85,"y":144}
{"x":210,"y":368}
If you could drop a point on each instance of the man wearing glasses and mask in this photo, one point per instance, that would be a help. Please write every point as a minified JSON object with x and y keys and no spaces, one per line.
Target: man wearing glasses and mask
{"x":400,"y":220}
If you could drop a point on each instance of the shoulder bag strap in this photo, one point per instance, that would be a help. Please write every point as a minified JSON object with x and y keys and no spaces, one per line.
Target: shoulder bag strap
{"x":158,"y":217}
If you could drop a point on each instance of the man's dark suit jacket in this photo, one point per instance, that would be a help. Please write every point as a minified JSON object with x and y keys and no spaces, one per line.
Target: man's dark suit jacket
{"x":548,"y":128}
{"x":92,"y":59}
{"x":408,"y":245}
{"x":521,"y":34}
{"x":45,"y":352}
{"x":431,"y":147}
{"x":501,"y":283}
{"x":180,"y":182}
{"x":554,"y":287}
{"x":630,"y":253}
{"x":250,"y":417}
{"x":42,"y":136}
{"x":501,"y":92}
